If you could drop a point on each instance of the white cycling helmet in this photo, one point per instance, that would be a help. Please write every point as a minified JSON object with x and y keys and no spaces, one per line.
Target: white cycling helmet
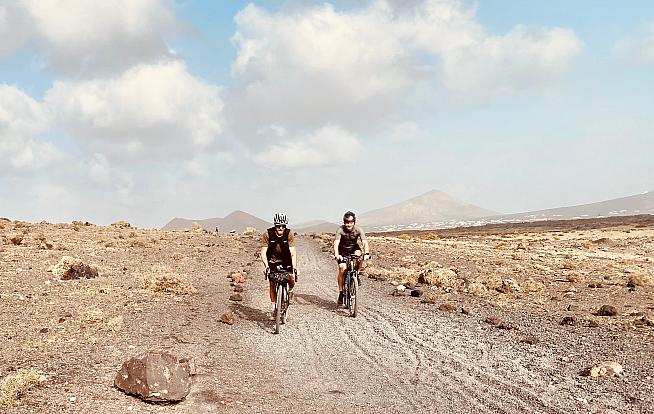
{"x":280,"y":219}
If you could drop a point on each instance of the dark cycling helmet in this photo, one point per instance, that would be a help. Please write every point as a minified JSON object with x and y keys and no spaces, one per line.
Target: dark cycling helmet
{"x":280,"y":219}
{"x":349,"y":214}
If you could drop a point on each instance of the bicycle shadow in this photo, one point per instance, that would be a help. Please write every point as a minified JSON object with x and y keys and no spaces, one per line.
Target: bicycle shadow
{"x":252,"y":314}
{"x":303,"y":298}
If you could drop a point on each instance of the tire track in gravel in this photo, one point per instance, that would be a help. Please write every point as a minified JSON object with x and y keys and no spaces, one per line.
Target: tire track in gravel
{"x":390,"y":358}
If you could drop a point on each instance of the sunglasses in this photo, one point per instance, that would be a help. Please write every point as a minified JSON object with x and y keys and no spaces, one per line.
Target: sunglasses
{"x":281,"y":226}
{"x":348,"y":221}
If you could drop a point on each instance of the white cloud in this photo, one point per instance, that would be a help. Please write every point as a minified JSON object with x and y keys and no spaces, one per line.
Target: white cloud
{"x":324,"y":146}
{"x":637,"y":48}
{"x":101,"y":173}
{"x":523,"y":58}
{"x":357,"y":68}
{"x":324,"y":65}
{"x":15,"y":27}
{"x":22,"y":119}
{"x":149,"y":112}
{"x":88,"y":38}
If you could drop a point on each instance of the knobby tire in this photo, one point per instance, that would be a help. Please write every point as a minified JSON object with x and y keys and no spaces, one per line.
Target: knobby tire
{"x":352,"y":293}
{"x":278,"y":307}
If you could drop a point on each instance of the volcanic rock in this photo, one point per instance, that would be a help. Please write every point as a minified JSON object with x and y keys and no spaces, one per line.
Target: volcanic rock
{"x":156,"y":376}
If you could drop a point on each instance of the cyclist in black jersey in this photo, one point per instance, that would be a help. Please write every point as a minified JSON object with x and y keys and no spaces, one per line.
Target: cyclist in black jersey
{"x":350,"y":239}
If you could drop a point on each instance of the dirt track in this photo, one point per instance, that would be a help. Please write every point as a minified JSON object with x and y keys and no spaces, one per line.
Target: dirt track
{"x":398,"y":355}
{"x":402,"y":356}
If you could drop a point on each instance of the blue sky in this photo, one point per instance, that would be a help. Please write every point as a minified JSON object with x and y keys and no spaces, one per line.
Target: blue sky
{"x":145,"y":110}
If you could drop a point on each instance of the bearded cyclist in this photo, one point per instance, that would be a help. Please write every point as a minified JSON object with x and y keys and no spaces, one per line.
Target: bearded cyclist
{"x":350,"y":239}
{"x":278,"y":254}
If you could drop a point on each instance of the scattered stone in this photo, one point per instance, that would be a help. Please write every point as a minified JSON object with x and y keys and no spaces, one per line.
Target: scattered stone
{"x":607,"y":310}
{"x":593,"y":324}
{"x":493,"y":320}
{"x":238,"y":288}
{"x":409,"y":285}
{"x":572,"y":307}
{"x":466,"y":311}
{"x":447,"y":307}
{"x":568,"y":320}
{"x":607,"y":368}
{"x":238,"y":278}
{"x":416,"y":293}
{"x":156,"y":376}
{"x":400,"y":288}
{"x":509,"y":326}
{"x":236,"y":297}
{"x":530,"y":340}
{"x":644,"y":320}
{"x":43,"y":330}
{"x":595,"y":285}
{"x":227,"y":318}
{"x":402,"y":292}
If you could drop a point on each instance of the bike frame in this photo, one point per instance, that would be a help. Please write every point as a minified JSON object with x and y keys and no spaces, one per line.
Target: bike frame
{"x":280,"y":283}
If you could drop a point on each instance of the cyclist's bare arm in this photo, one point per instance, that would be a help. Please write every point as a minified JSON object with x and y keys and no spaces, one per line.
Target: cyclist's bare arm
{"x":264,"y":259}
{"x":293,"y":256}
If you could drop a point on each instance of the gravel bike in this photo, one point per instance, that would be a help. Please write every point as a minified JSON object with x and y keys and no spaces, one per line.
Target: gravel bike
{"x":280,"y":280}
{"x":351,"y":284}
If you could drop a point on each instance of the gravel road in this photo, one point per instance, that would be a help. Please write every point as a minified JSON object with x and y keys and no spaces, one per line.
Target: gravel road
{"x":397,"y":355}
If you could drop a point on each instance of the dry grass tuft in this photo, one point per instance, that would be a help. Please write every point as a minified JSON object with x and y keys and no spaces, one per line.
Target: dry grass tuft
{"x":162,"y":280}
{"x":404,"y":237}
{"x":16,"y":384}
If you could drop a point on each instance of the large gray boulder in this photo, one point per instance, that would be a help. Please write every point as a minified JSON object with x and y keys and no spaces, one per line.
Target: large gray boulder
{"x":156,"y":376}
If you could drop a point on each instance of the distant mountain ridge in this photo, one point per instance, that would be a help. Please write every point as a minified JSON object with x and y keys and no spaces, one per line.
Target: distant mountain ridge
{"x":623,"y":206}
{"x":236,"y":220}
{"x":432,"y":210}
{"x":430,"y":207}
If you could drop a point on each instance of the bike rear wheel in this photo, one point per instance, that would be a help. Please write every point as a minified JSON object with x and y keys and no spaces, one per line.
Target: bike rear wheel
{"x":278,"y":307}
{"x":353,"y":298}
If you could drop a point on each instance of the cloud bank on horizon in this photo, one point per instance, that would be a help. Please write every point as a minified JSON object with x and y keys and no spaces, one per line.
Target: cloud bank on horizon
{"x":104,"y":114}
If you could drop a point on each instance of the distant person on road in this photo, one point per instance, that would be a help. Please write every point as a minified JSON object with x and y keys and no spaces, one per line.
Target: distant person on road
{"x":278,"y":254}
{"x":350,"y":239}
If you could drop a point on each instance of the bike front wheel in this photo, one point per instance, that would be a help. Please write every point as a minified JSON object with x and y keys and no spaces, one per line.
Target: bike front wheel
{"x":278,"y":307}
{"x":353,"y":297}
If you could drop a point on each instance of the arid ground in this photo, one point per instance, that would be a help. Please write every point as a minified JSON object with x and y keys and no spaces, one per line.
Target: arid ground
{"x":502,"y":319}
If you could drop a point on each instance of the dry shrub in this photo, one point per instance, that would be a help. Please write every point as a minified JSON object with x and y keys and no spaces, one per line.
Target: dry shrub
{"x":492,"y":282}
{"x":637,"y":279}
{"x":442,"y":278}
{"x":15,"y":239}
{"x":568,"y":266}
{"x":531,"y":285}
{"x":121,"y":224}
{"x":177,"y":256}
{"x":588,"y":245}
{"x":431,"y":236}
{"x":403,"y":274}
{"x":404,"y":237}
{"x":574,"y":277}
{"x":16,"y":384}
{"x":501,"y":245}
{"x":162,"y":280}
{"x":508,"y":286}
{"x":430,"y":298}
{"x":476,"y":288}
{"x":137,"y":243}
{"x":116,"y":323}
